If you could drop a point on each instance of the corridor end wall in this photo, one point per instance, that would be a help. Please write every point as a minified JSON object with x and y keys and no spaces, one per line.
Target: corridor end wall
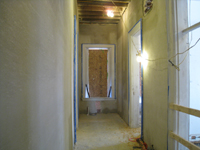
{"x":96,"y":34}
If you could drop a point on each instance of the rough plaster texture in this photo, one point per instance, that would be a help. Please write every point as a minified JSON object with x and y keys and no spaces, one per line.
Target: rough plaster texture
{"x":96,"y":34}
{"x":155,"y":75}
{"x":36,"y":43}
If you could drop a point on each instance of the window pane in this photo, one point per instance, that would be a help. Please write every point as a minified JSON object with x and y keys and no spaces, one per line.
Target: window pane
{"x":182,"y":147}
{"x":195,"y":71}
{"x":194,"y":11}
{"x":195,"y":130}
{"x":194,"y":17}
{"x":193,"y":135}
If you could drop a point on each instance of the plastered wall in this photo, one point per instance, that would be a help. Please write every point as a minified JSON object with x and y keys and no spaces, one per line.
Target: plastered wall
{"x":96,"y":34}
{"x":154,"y":32}
{"x":36,"y":43}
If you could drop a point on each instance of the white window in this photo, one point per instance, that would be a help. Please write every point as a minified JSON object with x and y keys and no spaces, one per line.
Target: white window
{"x":111,"y":83}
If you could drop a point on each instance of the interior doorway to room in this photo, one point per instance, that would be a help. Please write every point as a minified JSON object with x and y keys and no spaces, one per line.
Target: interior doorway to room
{"x":135,"y":77}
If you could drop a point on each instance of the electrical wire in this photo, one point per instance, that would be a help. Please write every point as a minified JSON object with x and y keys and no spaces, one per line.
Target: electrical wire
{"x":158,"y":58}
{"x":176,"y":54}
{"x":132,"y":39}
{"x":158,"y":69}
{"x":183,"y":59}
{"x":186,"y":49}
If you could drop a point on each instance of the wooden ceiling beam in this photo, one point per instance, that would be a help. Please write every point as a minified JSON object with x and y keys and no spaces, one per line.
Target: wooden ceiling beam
{"x":99,"y":13}
{"x":98,"y":17}
{"x":95,"y":19}
{"x":88,"y":8}
{"x":110,"y":4}
{"x":98,"y":22}
{"x":95,"y":11}
{"x":116,"y":1}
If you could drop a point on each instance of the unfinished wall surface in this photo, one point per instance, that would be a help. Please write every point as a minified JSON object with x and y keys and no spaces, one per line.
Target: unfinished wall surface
{"x":154,"y":32}
{"x":36,"y":43}
{"x":96,"y":34}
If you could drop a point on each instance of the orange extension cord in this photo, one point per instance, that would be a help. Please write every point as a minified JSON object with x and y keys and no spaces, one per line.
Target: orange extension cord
{"x":140,"y":142}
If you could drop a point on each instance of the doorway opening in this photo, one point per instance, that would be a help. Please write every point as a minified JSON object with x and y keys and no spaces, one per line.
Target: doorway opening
{"x":135,"y":73}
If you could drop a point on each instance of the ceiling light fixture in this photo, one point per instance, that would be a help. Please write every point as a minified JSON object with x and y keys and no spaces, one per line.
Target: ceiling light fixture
{"x":110,"y":14}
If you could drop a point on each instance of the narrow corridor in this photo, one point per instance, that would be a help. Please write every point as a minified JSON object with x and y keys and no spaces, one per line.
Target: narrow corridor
{"x":104,"y":132}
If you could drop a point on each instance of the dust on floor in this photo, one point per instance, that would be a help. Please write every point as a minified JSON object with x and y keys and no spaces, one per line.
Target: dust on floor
{"x":105,"y":132}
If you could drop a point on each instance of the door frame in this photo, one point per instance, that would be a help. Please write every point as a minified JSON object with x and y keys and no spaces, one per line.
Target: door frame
{"x":85,"y":72}
{"x":75,"y":84}
{"x":133,"y":120}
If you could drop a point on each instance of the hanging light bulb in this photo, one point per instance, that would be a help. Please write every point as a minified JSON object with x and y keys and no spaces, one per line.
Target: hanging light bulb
{"x":110,"y":13}
{"x":143,"y":58}
{"x":139,"y":57}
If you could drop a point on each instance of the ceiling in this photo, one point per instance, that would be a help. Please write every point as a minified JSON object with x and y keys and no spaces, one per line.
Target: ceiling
{"x":95,"y":11}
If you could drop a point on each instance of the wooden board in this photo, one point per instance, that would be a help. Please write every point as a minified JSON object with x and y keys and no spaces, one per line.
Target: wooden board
{"x":181,"y":140}
{"x":186,"y":110}
{"x":98,"y":73}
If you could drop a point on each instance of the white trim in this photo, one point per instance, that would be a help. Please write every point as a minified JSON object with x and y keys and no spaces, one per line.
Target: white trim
{"x":133,"y":86}
{"x":111,"y":66}
{"x":177,"y":80}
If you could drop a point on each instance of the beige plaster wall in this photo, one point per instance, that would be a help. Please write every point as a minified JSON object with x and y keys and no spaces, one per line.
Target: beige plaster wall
{"x":155,"y":75}
{"x":36,"y":43}
{"x":96,"y":34}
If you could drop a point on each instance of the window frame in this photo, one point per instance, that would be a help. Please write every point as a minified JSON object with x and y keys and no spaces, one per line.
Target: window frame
{"x":111,"y":69}
{"x":178,"y":93}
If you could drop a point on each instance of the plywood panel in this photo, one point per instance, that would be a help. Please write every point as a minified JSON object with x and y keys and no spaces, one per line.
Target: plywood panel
{"x":98,"y":73}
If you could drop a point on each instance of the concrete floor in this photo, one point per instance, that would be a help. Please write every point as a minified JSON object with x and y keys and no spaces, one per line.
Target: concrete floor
{"x":104,"y":132}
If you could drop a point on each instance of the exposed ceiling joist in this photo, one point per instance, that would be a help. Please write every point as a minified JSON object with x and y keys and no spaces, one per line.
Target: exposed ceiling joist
{"x":92,"y":19}
{"x":98,"y":17}
{"x":99,"y":21}
{"x":119,"y":1}
{"x":95,"y":11}
{"x":105,"y":8}
{"x":97,"y":4}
